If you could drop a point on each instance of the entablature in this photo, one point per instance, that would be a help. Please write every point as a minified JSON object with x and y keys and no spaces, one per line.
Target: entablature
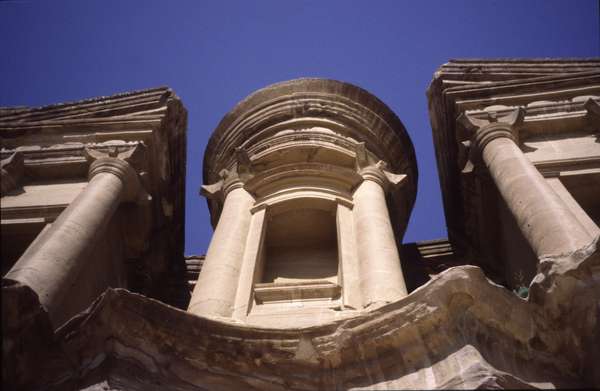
{"x":65,"y":161}
{"x":548,"y":118}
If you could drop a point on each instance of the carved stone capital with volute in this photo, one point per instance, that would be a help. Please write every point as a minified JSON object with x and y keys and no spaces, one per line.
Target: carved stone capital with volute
{"x":120,"y":163}
{"x":477,"y":133}
{"x":483,"y":131}
{"x":232,"y":179}
{"x":376,"y":171}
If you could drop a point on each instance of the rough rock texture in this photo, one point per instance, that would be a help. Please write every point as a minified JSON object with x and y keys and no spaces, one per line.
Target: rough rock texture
{"x":458,"y":331}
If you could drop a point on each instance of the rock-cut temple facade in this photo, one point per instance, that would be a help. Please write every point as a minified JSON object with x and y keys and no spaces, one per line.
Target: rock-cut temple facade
{"x":307,"y":283}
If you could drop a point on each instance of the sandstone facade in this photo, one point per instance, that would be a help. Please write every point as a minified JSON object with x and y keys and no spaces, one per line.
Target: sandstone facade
{"x":306,"y":283}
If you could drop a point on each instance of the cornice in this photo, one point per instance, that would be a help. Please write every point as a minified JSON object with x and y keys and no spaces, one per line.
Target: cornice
{"x":134,"y":102}
{"x":490,"y":70}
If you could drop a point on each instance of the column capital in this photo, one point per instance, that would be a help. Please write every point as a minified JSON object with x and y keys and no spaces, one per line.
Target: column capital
{"x":13,"y":169}
{"x":482,"y":137}
{"x":479,"y":132}
{"x":375,"y":170}
{"x":120,"y":163}
{"x":377,"y":173}
{"x":232,"y":179}
{"x":374,"y":173}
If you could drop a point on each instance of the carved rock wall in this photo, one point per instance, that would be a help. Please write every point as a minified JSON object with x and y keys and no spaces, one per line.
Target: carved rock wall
{"x":458,"y":331}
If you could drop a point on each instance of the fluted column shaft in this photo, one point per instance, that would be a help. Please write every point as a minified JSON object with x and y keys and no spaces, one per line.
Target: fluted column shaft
{"x":53,"y":262}
{"x":544,"y":219}
{"x":382,"y":279}
{"x":215,"y":291}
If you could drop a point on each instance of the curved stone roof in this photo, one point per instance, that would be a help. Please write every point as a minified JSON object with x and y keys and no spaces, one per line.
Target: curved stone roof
{"x":379,"y":127}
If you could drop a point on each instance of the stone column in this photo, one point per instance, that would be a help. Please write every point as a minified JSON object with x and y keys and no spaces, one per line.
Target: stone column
{"x":215,"y":290}
{"x":52,"y":264}
{"x":543,"y":217}
{"x":382,"y":278}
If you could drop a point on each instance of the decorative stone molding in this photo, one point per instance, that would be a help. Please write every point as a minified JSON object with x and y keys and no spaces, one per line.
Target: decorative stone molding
{"x":293,"y":180}
{"x":12,"y":172}
{"x":538,"y":115}
{"x":230,"y":179}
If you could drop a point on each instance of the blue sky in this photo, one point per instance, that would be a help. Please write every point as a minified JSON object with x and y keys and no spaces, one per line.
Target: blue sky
{"x":214,"y":53}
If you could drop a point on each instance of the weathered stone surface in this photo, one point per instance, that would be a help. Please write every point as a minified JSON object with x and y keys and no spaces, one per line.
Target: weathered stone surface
{"x":458,"y":331}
